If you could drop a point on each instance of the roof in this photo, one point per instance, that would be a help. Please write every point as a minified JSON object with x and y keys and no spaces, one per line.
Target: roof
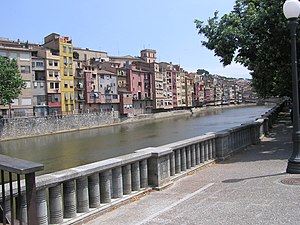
{"x":106,"y":72}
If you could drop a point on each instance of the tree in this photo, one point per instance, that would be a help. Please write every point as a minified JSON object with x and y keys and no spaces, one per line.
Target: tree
{"x":256,"y":35}
{"x":202,"y":72}
{"x":11,"y":83}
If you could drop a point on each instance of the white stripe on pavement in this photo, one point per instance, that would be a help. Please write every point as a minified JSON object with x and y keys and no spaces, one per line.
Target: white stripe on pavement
{"x":175,"y":204}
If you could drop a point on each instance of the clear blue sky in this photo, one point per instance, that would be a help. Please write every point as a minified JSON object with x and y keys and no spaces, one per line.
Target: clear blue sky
{"x":122,"y":27}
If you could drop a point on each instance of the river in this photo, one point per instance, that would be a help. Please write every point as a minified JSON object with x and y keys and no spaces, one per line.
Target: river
{"x":66,"y":150}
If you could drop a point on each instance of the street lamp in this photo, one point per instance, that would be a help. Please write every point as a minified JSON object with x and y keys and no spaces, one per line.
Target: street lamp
{"x":291,"y":10}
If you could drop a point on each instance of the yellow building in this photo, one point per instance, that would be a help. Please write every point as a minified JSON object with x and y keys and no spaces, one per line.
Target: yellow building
{"x":67,"y":75}
{"x":63,"y":47}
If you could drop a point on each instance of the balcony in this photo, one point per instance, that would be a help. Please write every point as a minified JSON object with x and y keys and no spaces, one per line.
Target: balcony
{"x":79,"y":87}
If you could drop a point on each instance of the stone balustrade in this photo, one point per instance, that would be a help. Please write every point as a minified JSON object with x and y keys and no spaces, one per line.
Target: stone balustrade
{"x":69,"y":196}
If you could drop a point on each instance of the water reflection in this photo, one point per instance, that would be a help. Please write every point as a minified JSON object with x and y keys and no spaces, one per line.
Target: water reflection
{"x":65,"y":150}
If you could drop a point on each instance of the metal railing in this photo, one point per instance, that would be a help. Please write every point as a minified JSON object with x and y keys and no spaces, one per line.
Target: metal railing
{"x":18,"y":197}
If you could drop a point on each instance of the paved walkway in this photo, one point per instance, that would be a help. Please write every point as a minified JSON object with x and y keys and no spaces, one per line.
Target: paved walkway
{"x":245,"y":189}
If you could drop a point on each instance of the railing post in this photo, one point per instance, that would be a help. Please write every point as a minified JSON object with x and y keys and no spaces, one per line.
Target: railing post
{"x":222,"y":144}
{"x":31,"y":199}
{"x":159,"y":167}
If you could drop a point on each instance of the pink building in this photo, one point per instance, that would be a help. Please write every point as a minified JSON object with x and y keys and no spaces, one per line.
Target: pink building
{"x":139,"y":83}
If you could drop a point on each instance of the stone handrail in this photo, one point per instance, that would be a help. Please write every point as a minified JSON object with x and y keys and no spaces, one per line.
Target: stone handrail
{"x":70,"y":196}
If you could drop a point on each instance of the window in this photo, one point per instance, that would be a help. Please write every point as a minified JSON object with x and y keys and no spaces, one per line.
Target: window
{"x":13,"y":55}
{"x":70,"y":49}
{"x":65,"y":60}
{"x":26,"y":101}
{"x":15,"y":102}
{"x":55,"y":63}
{"x":51,"y":85}
{"x":66,"y":84}
{"x":50,"y":63}
{"x":25,"y":56}
{"x":66,"y":96}
{"x":94,"y":76}
{"x":71,"y":72}
{"x":102,"y":76}
{"x":71,"y":84}
{"x":42,"y":84}
{"x":39,"y":64}
{"x":27,"y":84}
{"x":72,"y":96}
{"x":25,"y":69}
{"x":50,"y":73}
{"x":2,"y":53}
{"x":33,"y":64}
{"x":65,"y":72}
{"x":35,"y":84}
{"x":70,"y":60}
{"x":56,"y":85}
{"x":64,"y":49}
{"x":56,"y":74}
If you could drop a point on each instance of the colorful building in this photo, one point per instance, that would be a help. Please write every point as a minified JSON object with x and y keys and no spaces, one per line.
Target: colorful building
{"x":21,"y":52}
{"x":63,"y":47}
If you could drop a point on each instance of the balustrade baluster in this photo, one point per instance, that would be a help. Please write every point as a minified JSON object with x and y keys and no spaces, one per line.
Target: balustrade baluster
{"x":144,"y":173}
{"x":94,"y":190}
{"x":183,"y":159}
{"x":55,"y":204}
{"x":197,"y":149}
{"x":117,"y":184}
{"x":202,"y":152}
{"x":69,"y":192}
{"x":188,"y":157}
{"x":193,"y":155}
{"x":41,"y":205}
{"x":172,"y":164}
{"x":82,"y":194}
{"x":126,"y":171}
{"x":135,"y":176}
{"x":177,"y":161}
{"x":105,"y":190}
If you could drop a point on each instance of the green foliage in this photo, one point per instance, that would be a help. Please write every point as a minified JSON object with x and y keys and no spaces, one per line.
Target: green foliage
{"x":11,"y":82}
{"x":256,"y":35}
{"x":75,"y":55}
{"x":202,"y":72}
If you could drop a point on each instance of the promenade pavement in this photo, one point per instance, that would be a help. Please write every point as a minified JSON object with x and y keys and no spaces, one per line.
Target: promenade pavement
{"x":251,"y":187}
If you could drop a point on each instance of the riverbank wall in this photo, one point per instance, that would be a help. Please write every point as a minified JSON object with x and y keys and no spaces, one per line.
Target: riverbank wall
{"x":17,"y":128}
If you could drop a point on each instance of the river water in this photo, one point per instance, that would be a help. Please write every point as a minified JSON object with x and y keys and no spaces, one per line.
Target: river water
{"x":66,"y":150}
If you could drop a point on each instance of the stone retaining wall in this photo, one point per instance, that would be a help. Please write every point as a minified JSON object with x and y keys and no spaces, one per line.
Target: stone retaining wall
{"x":33,"y":126}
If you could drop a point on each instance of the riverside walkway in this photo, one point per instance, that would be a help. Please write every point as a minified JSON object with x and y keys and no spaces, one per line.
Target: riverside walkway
{"x":251,"y":187}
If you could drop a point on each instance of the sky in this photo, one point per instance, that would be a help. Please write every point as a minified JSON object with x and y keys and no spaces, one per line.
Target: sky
{"x":123,"y":27}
